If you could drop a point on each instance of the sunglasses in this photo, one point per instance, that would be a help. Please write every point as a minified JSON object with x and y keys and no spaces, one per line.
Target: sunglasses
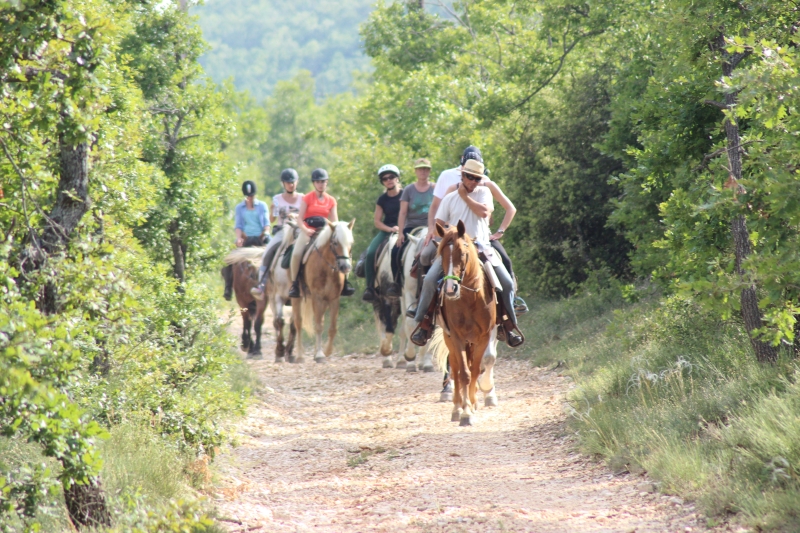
{"x":471,"y":177}
{"x":387,"y":178}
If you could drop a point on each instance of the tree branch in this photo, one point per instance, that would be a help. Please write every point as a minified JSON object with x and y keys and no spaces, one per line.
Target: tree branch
{"x":715,"y":103}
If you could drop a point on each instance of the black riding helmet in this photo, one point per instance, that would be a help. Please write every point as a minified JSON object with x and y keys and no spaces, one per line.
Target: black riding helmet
{"x":319,"y":174}
{"x":289,"y":175}
{"x":471,"y":152}
{"x":249,"y":188}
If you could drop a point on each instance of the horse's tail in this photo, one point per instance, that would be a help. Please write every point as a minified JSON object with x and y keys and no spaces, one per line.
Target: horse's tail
{"x":438,"y":349}
{"x":307,"y":312}
{"x":250,"y":255}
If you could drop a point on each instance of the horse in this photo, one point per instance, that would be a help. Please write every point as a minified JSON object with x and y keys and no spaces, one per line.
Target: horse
{"x":410,"y":285}
{"x":327,"y":263}
{"x":246,"y":262}
{"x":387,"y":309}
{"x":277,"y":292}
{"x":468,"y":319}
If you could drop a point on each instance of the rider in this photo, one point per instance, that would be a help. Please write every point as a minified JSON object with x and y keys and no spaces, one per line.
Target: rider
{"x":452,"y":177}
{"x":472,"y":204}
{"x":251,"y":226}
{"x":415,"y":203}
{"x":388,"y":208}
{"x":284,"y":205}
{"x":315,"y":208}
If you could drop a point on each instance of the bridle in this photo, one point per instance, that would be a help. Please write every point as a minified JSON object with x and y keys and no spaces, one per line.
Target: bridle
{"x":457,"y":279}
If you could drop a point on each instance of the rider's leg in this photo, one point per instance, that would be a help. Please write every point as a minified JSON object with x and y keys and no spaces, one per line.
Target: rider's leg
{"x":266,"y":261}
{"x":507,"y":283}
{"x":420,"y":336}
{"x":428,"y":254}
{"x":297,"y":260}
{"x":369,"y":265}
{"x":520,"y":306}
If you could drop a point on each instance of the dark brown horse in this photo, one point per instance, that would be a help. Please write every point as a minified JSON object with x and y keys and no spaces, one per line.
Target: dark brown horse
{"x":245,"y":262}
{"x":468,"y":314}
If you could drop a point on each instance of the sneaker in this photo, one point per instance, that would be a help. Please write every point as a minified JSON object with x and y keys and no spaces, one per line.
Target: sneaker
{"x":258,"y":292}
{"x":294,"y":291}
{"x":348,"y":290}
{"x":411,"y":312}
{"x":393,"y":290}
{"x":520,"y":307}
{"x":369,"y":295}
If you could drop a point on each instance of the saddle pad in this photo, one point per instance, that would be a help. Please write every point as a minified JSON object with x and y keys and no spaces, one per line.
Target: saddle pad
{"x":286,"y":261}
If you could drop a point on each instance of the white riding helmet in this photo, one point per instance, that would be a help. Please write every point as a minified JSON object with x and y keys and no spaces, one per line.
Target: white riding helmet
{"x":385,"y":169}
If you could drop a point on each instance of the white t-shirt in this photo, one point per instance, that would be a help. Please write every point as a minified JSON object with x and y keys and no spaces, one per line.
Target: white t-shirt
{"x":449,"y":177}
{"x":453,"y":208}
{"x":281,"y":208}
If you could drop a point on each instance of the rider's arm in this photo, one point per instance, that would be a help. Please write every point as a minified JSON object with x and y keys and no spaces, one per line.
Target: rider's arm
{"x":401,"y":221}
{"x":432,"y":219}
{"x":333,"y":215}
{"x":511,"y":211}
{"x":239,"y":226}
{"x":302,"y":216}
{"x":482,"y":210}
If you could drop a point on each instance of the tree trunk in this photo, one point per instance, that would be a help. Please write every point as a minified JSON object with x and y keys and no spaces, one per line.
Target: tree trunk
{"x":765,"y":352}
{"x":178,"y":252}
{"x":86,"y":505}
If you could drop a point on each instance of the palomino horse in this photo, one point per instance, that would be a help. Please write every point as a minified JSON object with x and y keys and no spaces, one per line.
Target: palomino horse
{"x":387,"y":310}
{"x":246,"y":262}
{"x":277,"y":290}
{"x":408,"y":349}
{"x":328,"y":262}
{"x":468,"y":315}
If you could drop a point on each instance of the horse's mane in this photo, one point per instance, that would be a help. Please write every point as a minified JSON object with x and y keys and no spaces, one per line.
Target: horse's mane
{"x":243,"y":255}
{"x":343,"y":235}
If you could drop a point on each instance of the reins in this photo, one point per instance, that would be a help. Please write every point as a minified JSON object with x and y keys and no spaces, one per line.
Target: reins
{"x":456,"y":278}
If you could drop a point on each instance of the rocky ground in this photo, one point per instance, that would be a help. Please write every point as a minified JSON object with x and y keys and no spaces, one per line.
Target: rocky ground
{"x":349,"y":446}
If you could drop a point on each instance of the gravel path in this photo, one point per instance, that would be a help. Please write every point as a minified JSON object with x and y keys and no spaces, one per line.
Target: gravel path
{"x":351,"y":447}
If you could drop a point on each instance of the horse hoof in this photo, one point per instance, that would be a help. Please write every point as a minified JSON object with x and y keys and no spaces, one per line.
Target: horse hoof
{"x":280,"y":360}
{"x":490,"y":401}
{"x":298,"y":360}
{"x":428,"y":368}
{"x":465,"y":421}
{"x":387,"y":362}
{"x":456,"y":416}
{"x":402,"y":364}
{"x":410,"y":367}
{"x":255,"y":356}
{"x":446,"y":397}
{"x":321,"y":360}
{"x":291,"y":359}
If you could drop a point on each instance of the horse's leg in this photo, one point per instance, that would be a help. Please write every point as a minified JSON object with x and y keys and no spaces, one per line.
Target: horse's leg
{"x":456,"y":394}
{"x":486,"y":379}
{"x":462,"y":382}
{"x":290,"y":342}
{"x":447,"y":385}
{"x":297,"y":320}
{"x":276,"y":305}
{"x":380,"y":328}
{"x":319,"y":323}
{"x":245,"y":330}
{"x":334,"y":317}
{"x":255,"y":350}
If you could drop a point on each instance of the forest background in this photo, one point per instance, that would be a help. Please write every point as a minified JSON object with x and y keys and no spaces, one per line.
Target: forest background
{"x":650,"y":148}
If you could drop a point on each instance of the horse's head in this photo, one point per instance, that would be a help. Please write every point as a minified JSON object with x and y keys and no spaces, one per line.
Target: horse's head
{"x":342,"y":244}
{"x":456,"y":250}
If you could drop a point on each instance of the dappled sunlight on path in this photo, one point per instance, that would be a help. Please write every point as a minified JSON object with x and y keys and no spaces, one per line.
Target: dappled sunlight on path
{"x":349,"y":446}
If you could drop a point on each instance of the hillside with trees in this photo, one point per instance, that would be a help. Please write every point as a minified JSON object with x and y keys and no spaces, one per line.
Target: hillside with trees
{"x":261,"y":42}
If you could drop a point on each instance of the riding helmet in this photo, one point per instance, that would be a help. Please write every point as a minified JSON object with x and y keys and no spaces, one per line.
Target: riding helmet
{"x":388,"y":169}
{"x":319,"y":174}
{"x":249,"y":188}
{"x":471,"y":152}
{"x":289,"y":175}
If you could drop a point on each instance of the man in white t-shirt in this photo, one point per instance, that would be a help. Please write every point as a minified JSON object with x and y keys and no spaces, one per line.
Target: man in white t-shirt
{"x":471,"y":204}
{"x":284,"y":205}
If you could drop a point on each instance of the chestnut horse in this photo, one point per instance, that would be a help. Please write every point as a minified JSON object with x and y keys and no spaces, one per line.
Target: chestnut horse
{"x":246,"y":262}
{"x":468,"y":315}
{"x":327,"y":263}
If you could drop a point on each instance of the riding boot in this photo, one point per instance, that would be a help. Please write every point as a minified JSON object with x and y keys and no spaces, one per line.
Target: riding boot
{"x":227,"y":275}
{"x":424,"y":329}
{"x":507,"y":330}
{"x":347,"y":289}
{"x":369,"y":295}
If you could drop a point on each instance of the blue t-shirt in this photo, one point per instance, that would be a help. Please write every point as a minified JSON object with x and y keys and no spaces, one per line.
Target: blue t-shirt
{"x":252,"y":221}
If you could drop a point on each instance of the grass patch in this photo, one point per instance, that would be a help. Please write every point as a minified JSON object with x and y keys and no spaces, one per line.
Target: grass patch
{"x":663,"y":387}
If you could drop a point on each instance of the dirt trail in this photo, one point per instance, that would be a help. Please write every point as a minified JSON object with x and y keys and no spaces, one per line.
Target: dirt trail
{"x":351,"y":447}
